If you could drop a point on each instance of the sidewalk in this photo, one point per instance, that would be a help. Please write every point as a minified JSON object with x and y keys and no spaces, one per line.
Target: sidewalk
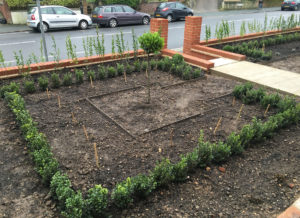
{"x":9,"y":28}
{"x":279,"y":80}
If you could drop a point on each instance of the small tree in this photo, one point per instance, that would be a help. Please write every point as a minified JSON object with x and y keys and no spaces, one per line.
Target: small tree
{"x":150,"y":43}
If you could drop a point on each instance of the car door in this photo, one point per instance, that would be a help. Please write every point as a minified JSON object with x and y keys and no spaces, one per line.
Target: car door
{"x":49,"y":16}
{"x":181,"y":10}
{"x":119,"y":14}
{"x":65,"y":17}
{"x":131,"y":15}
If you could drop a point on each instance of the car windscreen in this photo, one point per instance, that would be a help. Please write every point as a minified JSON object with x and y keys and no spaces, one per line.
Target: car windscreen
{"x":32,"y":11}
{"x":98,"y":9}
{"x":162,"y":5}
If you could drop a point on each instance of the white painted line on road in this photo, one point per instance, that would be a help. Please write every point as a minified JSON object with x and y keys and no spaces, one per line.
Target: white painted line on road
{"x":5,"y":34}
{"x":108,"y":34}
{"x":17,"y":43}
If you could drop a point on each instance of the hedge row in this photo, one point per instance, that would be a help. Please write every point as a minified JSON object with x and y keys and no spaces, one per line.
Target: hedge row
{"x":176,"y":66}
{"x":254,"y":48}
{"x":22,"y":4}
{"x":165,"y":172}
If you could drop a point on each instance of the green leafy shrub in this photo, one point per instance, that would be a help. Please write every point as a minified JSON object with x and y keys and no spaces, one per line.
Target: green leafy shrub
{"x":271,"y":99}
{"x":111,"y":72}
{"x":67,"y":80}
{"x":43,"y":83}
{"x":167,"y":64}
{"x":267,"y":56}
{"x":122,"y":194}
{"x":228,"y":48}
{"x":97,"y":200}
{"x":46,"y":165}
{"x":55,"y":80}
{"x":144,"y":65}
{"x":234,"y":142}
{"x":286,"y":103}
{"x":180,"y":170}
{"x":29,"y":86}
{"x":74,"y":206}
{"x":153,"y":64}
{"x":177,"y":59}
{"x":163,"y":173}
{"x":91,"y":74}
{"x":187,"y":73}
{"x":36,"y":140}
{"x":180,"y":69}
{"x":12,"y":87}
{"x":196,"y":73}
{"x":173,"y":69}
{"x":79,"y":74}
{"x":131,"y":3}
{"x":137,"y":66}
{"x":192,"y":159}
{"x":120,"y":69}
{"x":246,"y":135}
{"x":142,"y":185}
{"x":240,"y":90}
{"x":220,"y":152}
{"x":161,"y":65}
{"x":129,"y":69}
{"x":102,"y":73}
{"x":205,"y":155}
{"x":253,"y":96}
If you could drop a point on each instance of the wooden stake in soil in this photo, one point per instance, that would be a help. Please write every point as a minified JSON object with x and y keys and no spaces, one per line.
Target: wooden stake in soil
{"x":58,"y":100}
{"x":96,"y":155}
{"x":171,"y":137}
{"x":92,"y":85}
{"x":266,"y":111}
{"x":240,"y":112}
{"x":125,"y":77}
{"x":218,"y":125}
{"x":85,"y":132}
{"x":48,"y":93}
{"x":233,"y":101}
{"x":73,"y":118}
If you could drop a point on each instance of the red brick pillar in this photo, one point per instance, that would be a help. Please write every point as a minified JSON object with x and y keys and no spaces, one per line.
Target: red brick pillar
{"x":192,"y":33}
{"x":160,"y":24}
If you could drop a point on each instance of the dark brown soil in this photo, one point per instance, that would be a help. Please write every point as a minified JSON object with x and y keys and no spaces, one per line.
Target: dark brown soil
{"x":21,"y":192}
{"x":131,"y":136}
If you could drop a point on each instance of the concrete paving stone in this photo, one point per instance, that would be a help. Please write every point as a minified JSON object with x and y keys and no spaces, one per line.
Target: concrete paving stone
{"x":276,"y":79}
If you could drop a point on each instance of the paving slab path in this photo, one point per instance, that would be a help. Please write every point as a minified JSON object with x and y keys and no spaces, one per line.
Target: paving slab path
{"x":280,"y":80}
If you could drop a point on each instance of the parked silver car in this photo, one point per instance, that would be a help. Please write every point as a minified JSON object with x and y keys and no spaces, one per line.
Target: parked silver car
{"x":57,"y":17}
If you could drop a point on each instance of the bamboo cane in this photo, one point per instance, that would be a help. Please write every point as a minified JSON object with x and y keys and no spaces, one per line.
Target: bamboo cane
{"x":85,"y":132}
{"x":266,"y":111}
{"x":58,"y":100}
{"x":96,"y":156}
{"x":218,"y":125}
{"x":240,"y":112}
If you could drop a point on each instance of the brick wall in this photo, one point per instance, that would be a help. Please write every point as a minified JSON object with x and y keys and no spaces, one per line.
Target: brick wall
{"x":192,"y":33}
{"x":160,"y":24}
{"x":148,"y":8}
{"x":5,"y":11}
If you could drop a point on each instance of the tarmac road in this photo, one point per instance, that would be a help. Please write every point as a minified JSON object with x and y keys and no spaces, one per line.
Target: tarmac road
{"x":29,"y":42}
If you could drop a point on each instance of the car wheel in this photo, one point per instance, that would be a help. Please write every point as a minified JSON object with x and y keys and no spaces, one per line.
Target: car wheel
{"x":46,"y":27}
{"x":170,"y":18}
{"x":83,"y":25}
{"x":190,"y":15}
{"x":113,"y":23}
{"x":146,"y":20}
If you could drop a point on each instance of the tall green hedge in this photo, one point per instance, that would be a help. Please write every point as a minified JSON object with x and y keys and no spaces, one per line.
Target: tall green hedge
{"x":22,"y":4}
{"x":131,"y":3}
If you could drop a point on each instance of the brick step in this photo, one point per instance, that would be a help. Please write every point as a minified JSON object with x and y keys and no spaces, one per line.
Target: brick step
{"x":202,"y":63}
{"x":216,"y":53}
